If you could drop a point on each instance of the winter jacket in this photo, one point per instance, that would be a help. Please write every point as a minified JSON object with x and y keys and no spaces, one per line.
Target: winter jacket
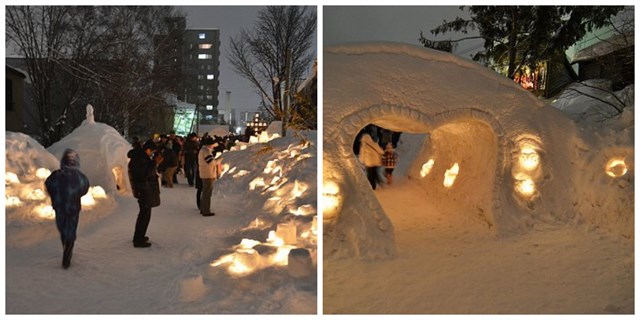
{"x":170,"y":157}
{"x":191,"y":149}
{"x":370,"y":152}
{"x":65,"y":187}
{"x":389,"y":159}
{"x":207,"y":165}
{"x":143,"y":178}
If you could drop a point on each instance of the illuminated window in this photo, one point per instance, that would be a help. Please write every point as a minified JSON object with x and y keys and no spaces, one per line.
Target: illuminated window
{"x":209,"y":117}
{"x":201,"y":87}
{"x":202,"y":35}
{"x":200,"y":77}
{"x":209,"y":97}
{"x":210,"y":77}
{"x":203,"y":56}
{"x":205,"y":46}
{"x":209,"y":107}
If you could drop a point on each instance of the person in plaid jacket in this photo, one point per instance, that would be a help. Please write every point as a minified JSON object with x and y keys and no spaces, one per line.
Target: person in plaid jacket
{"x":389,"y":160}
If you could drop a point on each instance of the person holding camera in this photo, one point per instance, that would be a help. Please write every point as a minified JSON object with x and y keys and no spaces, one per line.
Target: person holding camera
{"x":144,"y":184}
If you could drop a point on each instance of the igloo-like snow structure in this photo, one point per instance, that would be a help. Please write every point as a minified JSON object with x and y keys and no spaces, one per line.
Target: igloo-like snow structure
{"x":513,"y":152}
{"x":103,"y":153}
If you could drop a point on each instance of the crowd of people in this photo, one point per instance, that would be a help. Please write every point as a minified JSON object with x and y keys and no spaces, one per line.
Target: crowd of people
{"x":168,"y":156}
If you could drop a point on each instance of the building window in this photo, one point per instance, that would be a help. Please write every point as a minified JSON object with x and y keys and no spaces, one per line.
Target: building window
{"x":209,"y":67}
{"x":203,"y":56}
{"x":202,"y":35}
{"x":210,"y":77}
{"x":205,"y":46}
{"x":209,"y":107}
{"x":201,"y":77}
{"x":209,"y":117}
{"x":209,"y":97}
{"x":201,"y":87}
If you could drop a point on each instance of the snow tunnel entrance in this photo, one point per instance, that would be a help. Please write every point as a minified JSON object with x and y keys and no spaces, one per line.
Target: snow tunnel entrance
{"x":450,"y":167}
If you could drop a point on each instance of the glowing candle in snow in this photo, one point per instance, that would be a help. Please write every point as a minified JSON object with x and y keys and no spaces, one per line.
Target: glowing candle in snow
{"x":526,"y":187}
{"x":36,"y":194}
{"x":248,"y":243}
{"x":11,"y":178}
{"x":304,"y":210}
{"x":426,"y":168}
{"x":244,"y":262}
{"x":257,"y":182}
{"x":274,"y":240}
{"x":529,"y":158}
{"x":241,"y":173}
{"x":616,"y":167}
{"x":13,"y":202}
{"x":286,"y":232}
{"x":331,"y":200}
{"x":97,"y":192}
{"x":450,"y":175}
{"x":45,"y":212}
{"x":298,"y":189}
{"x":87,"y":201}
{"x":43,"y":173}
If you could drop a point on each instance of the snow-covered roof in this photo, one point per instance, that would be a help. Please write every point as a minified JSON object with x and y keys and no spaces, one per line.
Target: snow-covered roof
{"x":604,"y":47}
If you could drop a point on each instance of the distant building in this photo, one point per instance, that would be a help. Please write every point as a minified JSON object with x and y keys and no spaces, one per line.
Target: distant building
{"x":193,"y":55}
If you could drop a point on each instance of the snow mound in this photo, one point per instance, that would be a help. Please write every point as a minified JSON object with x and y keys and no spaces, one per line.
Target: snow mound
{"x":485,"y":147}
{"x":29,"y":215}
{"x":103,"y":154}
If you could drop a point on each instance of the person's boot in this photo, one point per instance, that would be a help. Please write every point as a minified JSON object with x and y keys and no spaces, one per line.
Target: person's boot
{"x":67,"y":253}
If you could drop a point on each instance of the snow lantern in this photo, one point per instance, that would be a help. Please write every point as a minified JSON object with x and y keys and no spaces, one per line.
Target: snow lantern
{"x":300,"y":264}
{"x":103,"y":153}
{"x":331,"y":200}
{"x":616,"y":167}
{"x":286,"y":232}
{"x":464,"y":113}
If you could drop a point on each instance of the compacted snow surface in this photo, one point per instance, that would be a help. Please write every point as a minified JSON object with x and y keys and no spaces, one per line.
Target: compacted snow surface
{"x":449,"y":263}
{"x":176,"y":275}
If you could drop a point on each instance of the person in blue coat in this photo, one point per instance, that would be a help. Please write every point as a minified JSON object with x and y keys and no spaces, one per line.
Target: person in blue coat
{"x":65,"y":187}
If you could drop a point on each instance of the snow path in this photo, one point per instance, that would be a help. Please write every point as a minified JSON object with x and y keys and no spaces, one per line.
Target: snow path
{"x":109,"y":275}
{"x":449,"y":263}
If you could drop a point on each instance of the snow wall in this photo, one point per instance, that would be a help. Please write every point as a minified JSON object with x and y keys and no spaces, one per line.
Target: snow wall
{"x":469,"y":115}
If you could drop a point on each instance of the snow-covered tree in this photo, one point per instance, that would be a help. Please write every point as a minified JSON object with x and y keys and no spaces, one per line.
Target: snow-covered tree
{"x":524,"y":35}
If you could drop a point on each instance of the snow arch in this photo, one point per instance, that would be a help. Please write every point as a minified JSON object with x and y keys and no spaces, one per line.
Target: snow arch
{"x":411,"y":89}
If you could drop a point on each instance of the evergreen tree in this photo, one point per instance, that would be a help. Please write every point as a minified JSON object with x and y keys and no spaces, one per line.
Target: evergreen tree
{"x":524,"y":35}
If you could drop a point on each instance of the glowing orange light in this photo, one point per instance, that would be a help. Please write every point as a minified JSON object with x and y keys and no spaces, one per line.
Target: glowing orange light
{"x":526,"y":187}
{"x":426,"y":168}
{"x":43,"y":173}
{"x":616,"y":167}
{"x":450,"y":175}
{"x":529,"y":158}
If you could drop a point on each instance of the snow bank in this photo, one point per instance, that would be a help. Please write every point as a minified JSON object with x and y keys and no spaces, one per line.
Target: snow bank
{"x":279,"y":178}
{"x":29,"y":215}
{"x":511,"y":160}
{"x":602,"y":200}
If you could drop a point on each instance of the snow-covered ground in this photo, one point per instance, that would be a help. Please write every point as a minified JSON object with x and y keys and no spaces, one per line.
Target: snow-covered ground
{"x":573,"y":249}
{"x":196,"y":265}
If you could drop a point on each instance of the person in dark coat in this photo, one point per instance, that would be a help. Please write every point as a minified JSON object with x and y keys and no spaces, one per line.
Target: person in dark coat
{"x":65,"y":187}
{"x":191,"y":157}
{"x":144,"y":184}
